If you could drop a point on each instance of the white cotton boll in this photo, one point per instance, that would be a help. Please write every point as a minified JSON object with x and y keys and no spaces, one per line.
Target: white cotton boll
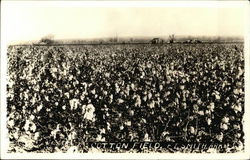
{"x":209,"y":121}
{"x":117,"y":90}
{"x":71,"y":77}
{"x":46,"y":98}
{"x":64,"y":73}
{"x":107,"y":114}
{"x":121,"y":127}
{"x":73,"y":135}
{"x":132,"y":86}
{"x":120,"y":101}
{"x":102,"y":131}
{"x":39,"y":107}
{"x":26,"y":96}
{"x":225,"y":120}
{"x":165,"y":133}
{"x":27,"y":141}
{"x":138,"y":101}
{"x":240,"y":146}
{"x":149,"y":95}
{"x":33,"y":127}
{"x":160,"y":87}
{"x":211,"y":107}
{"x":108,"y":84}
{"x":182,"y":87}
{"x":224,"y":126}
{"x":64,"y":107}
{"x":142,"y":75}
{"x":152,"y":105}
{"x":211,"y":150}
{"x":105,"y":93}
{"x":207,"y":112}
{"x":83,"y":109}
{"x":36,"y":135}
{"x":201,"y":113}
{"x":93,"y":91}
{"x":111,"y":98}
{"x":143,"y":120}
{"x":16,"y":135}
{"x":108,"y":126}
{"x":236,"y":91}
{"x":32,"y":117}
{"x":89,"y":112}
{"x":107,"y":74}
{"x":33,"y":100}
{"x":119,"y":115}
{"x":192,"y":130}
{"x":66,"y":94}
{"x":219,"y":137}
{"x":128,"y":123}
{"x":131,"y":112}
{"x":99,"y":138}
{"x":11,"y":123}
{"x":74,"y":104}
{"x":237,"y":108}
{"x":26,"y":125}
{"x":238,"y":135}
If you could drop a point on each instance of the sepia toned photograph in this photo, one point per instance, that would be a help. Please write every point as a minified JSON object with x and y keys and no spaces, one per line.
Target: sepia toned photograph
{"x":112,"y":78}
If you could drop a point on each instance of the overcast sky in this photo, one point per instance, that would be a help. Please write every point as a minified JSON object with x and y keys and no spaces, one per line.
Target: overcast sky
{"x":31,"y":21}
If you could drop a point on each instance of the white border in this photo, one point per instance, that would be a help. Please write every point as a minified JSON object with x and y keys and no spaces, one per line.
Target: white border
{"x":219,"y":4}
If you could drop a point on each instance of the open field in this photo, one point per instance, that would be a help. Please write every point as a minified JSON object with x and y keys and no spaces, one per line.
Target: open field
{"x":61,"y":97}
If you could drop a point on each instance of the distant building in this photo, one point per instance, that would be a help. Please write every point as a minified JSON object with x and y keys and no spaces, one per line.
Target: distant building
{"x":157,"y":41}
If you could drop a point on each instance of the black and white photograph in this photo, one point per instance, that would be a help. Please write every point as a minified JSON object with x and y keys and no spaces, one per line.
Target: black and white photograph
{"x":125,"y":79}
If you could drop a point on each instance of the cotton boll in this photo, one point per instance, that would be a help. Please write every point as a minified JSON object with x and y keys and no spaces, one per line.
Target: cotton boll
{"x":131,"y":112}
{"x":217,"y":97}
{"x":36,"y":135}
{"x":192,"y":130}
{"x":32,"y":117}
{"x":89,"y":112}
{"x":224,"y":126}
{"x":74,"y":104}
{"x":33,"y":127}
{"x":149,"y":95}
{"x":219,"y":137}
{"x":225,"y":120}
{"x":63,"y":107}
{"x":182,"y":87}
{"x":132,"y":86}
{"x":209,"y":121}
{"x":66,"y":94}
{"x":26,"y":125}
{"x":128,"y":123}
{"x":120,"y":101}
{"x":39,"y":107}
{"x":121,"y":127}
{"x":11,"y":123}
{"x":201,"y":113}
{"x":16,"y":135}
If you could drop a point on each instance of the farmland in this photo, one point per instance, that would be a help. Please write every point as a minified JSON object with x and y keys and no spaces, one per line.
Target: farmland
{"x":60,"y":97}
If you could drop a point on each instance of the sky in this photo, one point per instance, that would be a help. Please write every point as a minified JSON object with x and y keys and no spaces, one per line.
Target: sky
{"x":32,"y":20}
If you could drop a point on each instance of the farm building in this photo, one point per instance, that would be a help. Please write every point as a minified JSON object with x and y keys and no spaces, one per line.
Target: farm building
{"x":157,"y":41}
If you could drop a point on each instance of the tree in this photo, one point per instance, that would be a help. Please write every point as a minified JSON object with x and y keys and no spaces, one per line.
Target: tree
{"x":48,"y":39}
{"x":171,"y":38}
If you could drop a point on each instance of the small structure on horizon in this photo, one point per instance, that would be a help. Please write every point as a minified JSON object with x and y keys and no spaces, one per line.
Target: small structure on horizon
{"x":157,"y":41}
